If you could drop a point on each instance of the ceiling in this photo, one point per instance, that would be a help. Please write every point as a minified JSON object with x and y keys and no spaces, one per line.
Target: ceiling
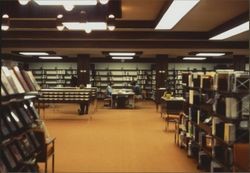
{"x":33,"y":28}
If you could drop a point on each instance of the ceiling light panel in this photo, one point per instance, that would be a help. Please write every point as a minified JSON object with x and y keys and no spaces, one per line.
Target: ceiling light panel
{"x":210,"y":54}
{"x":33,"y":53}
{"x":177,"y":10}
{"x":85,"y":26}
{"x":122,"y":57}
{"x":234,"y":31}
{"x":66,"y":2}
{"x":194,"y":58}
{"x":122,"y":54}
{"x":50,"y":57}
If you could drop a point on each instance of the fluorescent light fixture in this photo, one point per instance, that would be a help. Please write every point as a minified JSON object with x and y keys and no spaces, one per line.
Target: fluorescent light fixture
{"x":210,"y":54}
{"x":122,"y":57}
{"x":85,"y":26}
{"x":234,"y":31}
{"x":122,"y":54}
{"x":66,"y":2}
{"x":50,"y":57}
{"x":194,"y":58}
{"x":177,"y":10}
{"x":33,"y":53}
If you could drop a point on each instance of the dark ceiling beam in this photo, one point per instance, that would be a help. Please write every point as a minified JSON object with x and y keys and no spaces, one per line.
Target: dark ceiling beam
{"x":124,"y":44}
{"x":101,"y":35}
{"x":244,"y":17}
{"x":35,"y":24}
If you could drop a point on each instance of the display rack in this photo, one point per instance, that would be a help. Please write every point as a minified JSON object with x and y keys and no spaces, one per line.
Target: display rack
{"x":216,"y":118}
{"x":19,"y":146}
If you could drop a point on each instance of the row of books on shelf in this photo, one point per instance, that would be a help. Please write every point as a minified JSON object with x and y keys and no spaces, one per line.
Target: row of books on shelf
{"x":231,"y":81}
{"x":227,"y":131}
{"x":16,"y":118}
{"x":15,"y":81}
{"x":231,"y":107}
{"x":19,"y":155}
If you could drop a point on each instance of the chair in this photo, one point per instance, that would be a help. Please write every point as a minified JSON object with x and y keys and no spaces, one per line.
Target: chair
{"x":47,"y":149}
{"x":171,"y":111}
{"x":241,"y":157}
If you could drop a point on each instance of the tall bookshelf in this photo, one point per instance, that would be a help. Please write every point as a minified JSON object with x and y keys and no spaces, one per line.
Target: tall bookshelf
{"x":216,"y":119}
{"x":174,"y":82}
{"x":53,"y":77}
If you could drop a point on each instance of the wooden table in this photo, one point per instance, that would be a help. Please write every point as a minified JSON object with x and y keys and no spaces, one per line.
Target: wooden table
{"x":128,"y":94}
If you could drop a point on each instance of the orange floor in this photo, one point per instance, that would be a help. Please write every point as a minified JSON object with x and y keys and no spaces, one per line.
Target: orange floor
{"x":114,"y":140}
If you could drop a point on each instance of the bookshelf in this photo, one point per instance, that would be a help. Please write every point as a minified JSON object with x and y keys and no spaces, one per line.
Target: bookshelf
{"x":19,"y":146}
{"x":216,"y":118}
{"x":122,"y":78}
{"x":174,"y":82}
{"x":55,"y":77}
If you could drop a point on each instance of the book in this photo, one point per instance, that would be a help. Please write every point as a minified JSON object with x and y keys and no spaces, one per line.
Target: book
{"x":33,"y":80}
{"x":20,"y":78}
{"x":8,"y":120}
{"x":3,"y":129}
{"x":16,"y":82}
{"x":28,"y":81}
{"x":3,"y":93}
{"x":6,"y":84}
{"x":30,"y":106}
{"x":24,"y":115}
{"x":229,"y":132}
{"x":232,"y":110}
{"x":9,"y":158}
{"x":7,"y":73}
{"x":16,"y":118}
{"x":16,"y":153}
{"x":34,"y":139}
{"x":3,"y":168}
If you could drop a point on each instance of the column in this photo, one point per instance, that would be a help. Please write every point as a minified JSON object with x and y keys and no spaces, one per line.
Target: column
{"x":83,"y":68}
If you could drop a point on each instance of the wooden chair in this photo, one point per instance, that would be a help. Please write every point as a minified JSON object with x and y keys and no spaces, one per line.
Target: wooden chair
{"x":241,"y":159}
{"x":47,"y":149}
{"x":171,"y":111}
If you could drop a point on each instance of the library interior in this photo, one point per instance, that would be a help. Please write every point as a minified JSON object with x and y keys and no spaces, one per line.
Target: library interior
{"x":125,"y":86}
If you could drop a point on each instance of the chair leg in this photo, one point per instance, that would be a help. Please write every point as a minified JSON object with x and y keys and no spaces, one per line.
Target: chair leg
{"x":46,"y":167}
{"x":53,"y":163}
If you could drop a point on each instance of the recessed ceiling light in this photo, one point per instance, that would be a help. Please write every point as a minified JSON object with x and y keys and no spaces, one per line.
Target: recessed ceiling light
{"x":234,"y":31}
{"x":23,"y":2}
{"x":103,"y":2}
{"x":194,"y":58}
{"x":111,"y":27}
{"x":59,"y":16}
{"x":122,"y":57}
{"x":50,"y":57}
{"x":177,"y":10}
{"x":33,"y":53}
{"x":84,"y":26}
{"x":122,"y":54}
{"x":111,"y":16}
{"x":210,"y":54}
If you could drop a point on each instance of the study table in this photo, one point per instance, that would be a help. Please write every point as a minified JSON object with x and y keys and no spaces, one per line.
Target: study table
{"x":122,"y":98}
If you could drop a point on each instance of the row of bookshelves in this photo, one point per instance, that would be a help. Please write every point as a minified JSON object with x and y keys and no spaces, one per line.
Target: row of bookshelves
{"x":216,"y":117}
